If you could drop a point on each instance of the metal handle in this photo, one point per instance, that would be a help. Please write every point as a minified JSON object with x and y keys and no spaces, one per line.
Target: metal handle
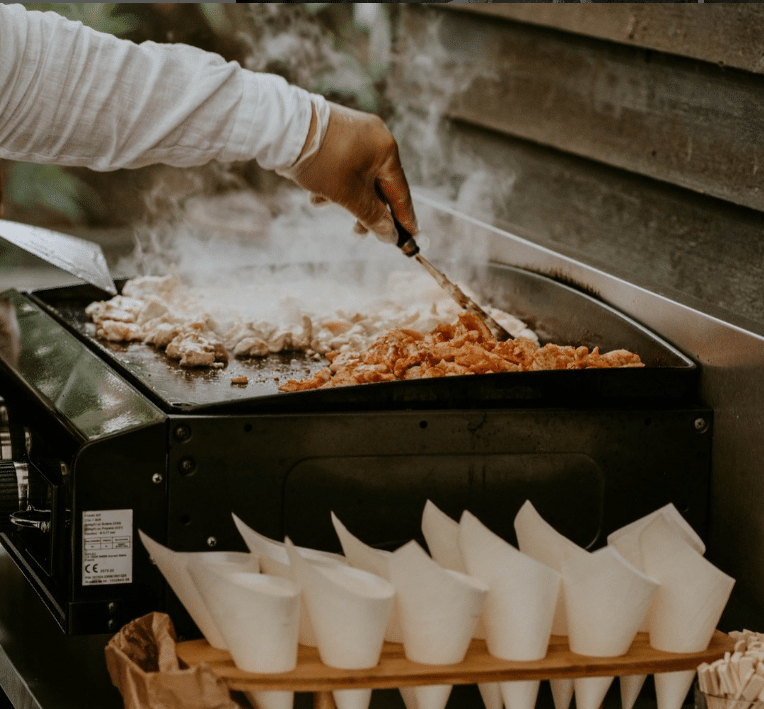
{"x":32,"y":518}
{"x":14,"y":489}
{"x":406,"y":242}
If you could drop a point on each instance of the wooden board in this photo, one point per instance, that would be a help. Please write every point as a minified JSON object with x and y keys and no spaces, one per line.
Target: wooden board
{"x":394,"y":670}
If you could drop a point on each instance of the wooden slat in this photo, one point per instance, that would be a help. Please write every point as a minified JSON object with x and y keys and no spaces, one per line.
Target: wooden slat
{"x":394,"y":670}
{"x":697,"y":126}
{"x":726,"y":34}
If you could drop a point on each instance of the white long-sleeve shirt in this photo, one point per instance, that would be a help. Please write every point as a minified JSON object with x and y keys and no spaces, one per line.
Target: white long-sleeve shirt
{"x":72,"y":96}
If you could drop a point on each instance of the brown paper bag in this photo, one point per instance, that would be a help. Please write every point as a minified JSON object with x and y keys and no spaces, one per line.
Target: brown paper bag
{"x":144,"y":667}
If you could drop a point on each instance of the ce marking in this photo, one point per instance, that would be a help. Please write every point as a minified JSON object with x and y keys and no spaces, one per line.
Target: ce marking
{"x":91,"y":568}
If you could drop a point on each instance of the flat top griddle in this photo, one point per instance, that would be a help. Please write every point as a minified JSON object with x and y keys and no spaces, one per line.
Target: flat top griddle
{"x":555,"y":311}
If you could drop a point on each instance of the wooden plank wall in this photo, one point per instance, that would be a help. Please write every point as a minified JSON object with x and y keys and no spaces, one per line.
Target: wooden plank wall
{"x":630,"y":136}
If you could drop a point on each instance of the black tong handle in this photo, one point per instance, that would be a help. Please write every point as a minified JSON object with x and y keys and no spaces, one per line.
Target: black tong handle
{"x":406,"y":242}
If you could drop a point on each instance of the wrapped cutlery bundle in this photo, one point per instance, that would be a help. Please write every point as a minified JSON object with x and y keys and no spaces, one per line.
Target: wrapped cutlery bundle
{"x":736,"y":681}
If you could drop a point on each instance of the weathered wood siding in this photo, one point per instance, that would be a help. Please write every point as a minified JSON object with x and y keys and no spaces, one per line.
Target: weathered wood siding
{"x":643,"y":161}
{"x":727,"y":35}
{"x":695,"y":125}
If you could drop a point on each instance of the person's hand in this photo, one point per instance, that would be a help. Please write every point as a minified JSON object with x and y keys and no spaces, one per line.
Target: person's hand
{"x":357,"y":166}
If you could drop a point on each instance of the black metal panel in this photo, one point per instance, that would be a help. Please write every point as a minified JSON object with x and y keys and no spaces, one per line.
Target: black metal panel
{"x":126,"y":472}
{"x":588,"y":472}
{"x":381,"y":498}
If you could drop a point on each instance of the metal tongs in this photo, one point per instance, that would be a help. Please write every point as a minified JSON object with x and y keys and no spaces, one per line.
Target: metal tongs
{"x":408,"y":245}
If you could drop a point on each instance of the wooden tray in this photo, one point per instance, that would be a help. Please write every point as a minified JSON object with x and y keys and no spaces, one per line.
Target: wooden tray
{"x":394,"y":670}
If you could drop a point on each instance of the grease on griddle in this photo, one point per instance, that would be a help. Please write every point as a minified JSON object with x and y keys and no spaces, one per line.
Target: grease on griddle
{"x":566,"y":279}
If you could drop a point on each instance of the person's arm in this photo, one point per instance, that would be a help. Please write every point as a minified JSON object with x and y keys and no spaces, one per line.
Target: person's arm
{"x":70,"y":95}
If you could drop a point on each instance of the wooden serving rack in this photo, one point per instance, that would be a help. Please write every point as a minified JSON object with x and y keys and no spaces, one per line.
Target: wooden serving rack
{"x":394,"y":670}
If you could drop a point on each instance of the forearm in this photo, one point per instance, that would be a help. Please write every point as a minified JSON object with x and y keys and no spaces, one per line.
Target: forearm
{"x":73,"y":96}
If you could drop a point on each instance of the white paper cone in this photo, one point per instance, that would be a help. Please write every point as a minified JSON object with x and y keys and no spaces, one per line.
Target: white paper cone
{"x":606,"y":599}
{"x":671,"y":688}
{"x":522,"y":594}
{"x":352,"y":698}
{"x":225,"y":561}
{"x":431,"y":696}
{"x":409,"y":698}
{"x":438,"y":608}
{"x":542,"y":542}
{"x":491,"y":694}
{"x":275,"y":567}
{"x":271,"y":566}
{"x":256,"y":614}
{"x":562,"y":692}
{"x":631,"y":686}
{"x":626,"y":539}
{"x":349,"y":609}
{"x":692,"y":593}
{"x":263,"y":546}
{"x":442,"y":536}
{"x":359,"y":554}
{"x":590,"y":691}
{"x":307,"y":635}
{"x":374,"y":561}
{"x":174,"y":567}
{"x":271,"y":699}
{"x":520,"y":695}
{"x":274,"y":560}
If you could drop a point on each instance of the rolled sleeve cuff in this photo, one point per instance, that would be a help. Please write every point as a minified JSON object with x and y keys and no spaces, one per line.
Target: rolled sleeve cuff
{"x":276,"y":125}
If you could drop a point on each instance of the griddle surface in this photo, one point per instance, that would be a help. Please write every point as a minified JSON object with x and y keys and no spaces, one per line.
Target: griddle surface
{"x":557,"y":312}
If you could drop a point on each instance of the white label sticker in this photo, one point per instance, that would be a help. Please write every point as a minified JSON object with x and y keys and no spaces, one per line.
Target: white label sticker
{"x":107,"y":547}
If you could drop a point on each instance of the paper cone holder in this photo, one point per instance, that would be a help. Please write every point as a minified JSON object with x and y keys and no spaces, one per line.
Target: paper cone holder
{"x":394,"y":670}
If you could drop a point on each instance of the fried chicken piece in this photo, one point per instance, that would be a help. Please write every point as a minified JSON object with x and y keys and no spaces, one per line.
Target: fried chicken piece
{"x":193,"y":349}
{"x":622,"y":358}
{"x":519,"y":351}
{"x":119,"y":309}
{"x":118,"y":331}
{"x":152,"y":310}
{"x":162,"y":286}
{"x":452,"y":369}
{"x":553,"y":357}
{"x":161,"y":333}
{"x":362,"y":374}
{"x":481,"y":361}
{"x":251,"y":347}
{"x":316,"y":381}
{"x":337,"y":327}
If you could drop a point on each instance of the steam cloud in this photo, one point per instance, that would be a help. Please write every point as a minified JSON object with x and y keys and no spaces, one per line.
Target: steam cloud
{"x":213,"y":227}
